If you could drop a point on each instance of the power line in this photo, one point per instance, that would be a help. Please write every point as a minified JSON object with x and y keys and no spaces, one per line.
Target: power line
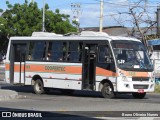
{"x":89,"y":3}
{"x":98,"y":0}
{"x":124,"y":4}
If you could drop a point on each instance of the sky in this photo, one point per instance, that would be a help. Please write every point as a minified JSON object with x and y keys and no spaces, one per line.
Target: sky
{"x":89,"y":15}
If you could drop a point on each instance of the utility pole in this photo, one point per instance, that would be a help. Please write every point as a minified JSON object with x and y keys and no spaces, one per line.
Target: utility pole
{"x":76,"y":9}
{"x":158,"y":22}
{"x":43,"y":21}
{"x":101,"y":16}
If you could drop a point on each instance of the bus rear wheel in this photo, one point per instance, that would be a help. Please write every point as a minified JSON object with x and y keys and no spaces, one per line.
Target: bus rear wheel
{"x":38,"y":87}
{"x":138,"y":95}
{"x":107,"y":91}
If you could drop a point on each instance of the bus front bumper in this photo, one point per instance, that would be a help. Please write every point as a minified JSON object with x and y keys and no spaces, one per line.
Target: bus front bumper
{"x":139,"y":86}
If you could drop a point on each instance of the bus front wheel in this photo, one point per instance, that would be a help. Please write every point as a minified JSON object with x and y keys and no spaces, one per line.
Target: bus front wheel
{"x":138,"y":95}
{"x":38,"y":87}
{"x":107,"y":91}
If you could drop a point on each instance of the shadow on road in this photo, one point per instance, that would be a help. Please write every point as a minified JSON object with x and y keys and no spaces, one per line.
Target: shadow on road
{"x":76,"y":93}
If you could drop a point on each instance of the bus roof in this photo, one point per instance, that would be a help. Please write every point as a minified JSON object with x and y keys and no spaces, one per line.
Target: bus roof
{"x":85,"y":35}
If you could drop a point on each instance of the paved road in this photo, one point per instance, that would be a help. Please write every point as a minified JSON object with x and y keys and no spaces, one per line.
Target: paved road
{"x":79,"y":101}
{"x":58,"y":103}
{"x":1,"y":72}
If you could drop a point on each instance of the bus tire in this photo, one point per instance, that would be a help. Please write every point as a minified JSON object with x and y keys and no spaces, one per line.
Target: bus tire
{"x":107,"y":91}
{"x":138,"y":95}
{"x":38,"y":87}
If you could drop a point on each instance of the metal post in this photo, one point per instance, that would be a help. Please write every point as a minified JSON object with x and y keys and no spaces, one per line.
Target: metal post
{"x":43,"y":23}
{"x":101,"y":17}
{"x":158,"y":22}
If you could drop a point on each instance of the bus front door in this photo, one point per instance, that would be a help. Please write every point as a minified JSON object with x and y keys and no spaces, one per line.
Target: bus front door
{"x":89,"y":67}
{"x":17,"y":63}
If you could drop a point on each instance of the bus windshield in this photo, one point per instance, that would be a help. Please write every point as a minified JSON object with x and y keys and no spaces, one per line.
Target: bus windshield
{"x":131,"y":55}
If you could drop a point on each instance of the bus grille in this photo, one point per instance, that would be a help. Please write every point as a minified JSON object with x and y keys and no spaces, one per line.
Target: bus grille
{"x":140,"y":79}
{"x":140,"y":86}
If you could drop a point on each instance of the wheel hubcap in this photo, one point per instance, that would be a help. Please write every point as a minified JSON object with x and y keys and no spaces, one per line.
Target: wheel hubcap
{"x":38,"y":87}
{"x":108,"y":90}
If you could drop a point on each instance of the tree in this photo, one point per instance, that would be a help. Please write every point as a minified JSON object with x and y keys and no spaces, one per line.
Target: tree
{"x":23,"y":19}
{"x":60,"y":22}
{"x":140,"y":20}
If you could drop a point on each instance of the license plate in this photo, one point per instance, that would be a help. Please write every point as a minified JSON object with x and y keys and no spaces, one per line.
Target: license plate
{"x":141,"y":91}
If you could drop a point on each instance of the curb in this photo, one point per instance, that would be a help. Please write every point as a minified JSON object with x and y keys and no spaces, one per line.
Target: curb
{"x":7,"y":95}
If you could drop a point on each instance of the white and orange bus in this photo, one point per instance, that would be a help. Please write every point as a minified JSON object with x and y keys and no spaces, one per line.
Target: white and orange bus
{"x":87,"y":61}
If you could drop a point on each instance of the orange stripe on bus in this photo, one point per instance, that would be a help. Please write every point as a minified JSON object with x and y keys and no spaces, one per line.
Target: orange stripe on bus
{"x":104,"y":72}
{"x":135,"y":74}
{"x":7,"y":66}
{"x":16,"y":68}
{"x":67,"y":69}
{"x":72,"y":70}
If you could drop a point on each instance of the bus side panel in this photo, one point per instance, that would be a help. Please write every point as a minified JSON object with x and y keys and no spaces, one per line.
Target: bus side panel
{"x":7,"y":64}
{"x":58,"y":75}
{"x":16,"y":77}
{"x":7,"y":74}
{"x":99,"y":79}
{"x":56,"y":80}
{"x":28,"y":81}
{"x":103,"y":74}
{"x":77,"y":85}
{"x":16,"y":73}
{"x":17,"y":69}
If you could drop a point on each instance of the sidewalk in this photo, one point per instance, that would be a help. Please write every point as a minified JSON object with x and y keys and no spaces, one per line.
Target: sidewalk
{"x":4,"y":93}
{"x":7,"y":94}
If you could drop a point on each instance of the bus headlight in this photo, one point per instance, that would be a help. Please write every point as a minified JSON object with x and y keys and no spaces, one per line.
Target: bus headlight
{"x":124,"y":78}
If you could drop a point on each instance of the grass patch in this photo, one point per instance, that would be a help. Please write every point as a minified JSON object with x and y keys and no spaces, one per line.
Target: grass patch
{"x":157,"y":89}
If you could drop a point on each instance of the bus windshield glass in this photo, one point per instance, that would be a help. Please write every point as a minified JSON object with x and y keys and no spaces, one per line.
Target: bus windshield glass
{"x":131,"y":55}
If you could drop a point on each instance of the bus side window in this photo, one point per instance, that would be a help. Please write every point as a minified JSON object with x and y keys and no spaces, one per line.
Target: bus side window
{"x":105,"y":59}
{"x":104,"y":54}
{"x":31,"y":46}
{"x":58,"y":51}
{"x":20,"y":52}
{"x":74,"y":52}
{"x":49,"y":51}
{"x":36,"y":50}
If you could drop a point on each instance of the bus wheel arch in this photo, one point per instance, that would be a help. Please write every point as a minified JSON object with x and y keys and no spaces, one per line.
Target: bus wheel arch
{"x":106,"y":88}
{"x":37,"y":84}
